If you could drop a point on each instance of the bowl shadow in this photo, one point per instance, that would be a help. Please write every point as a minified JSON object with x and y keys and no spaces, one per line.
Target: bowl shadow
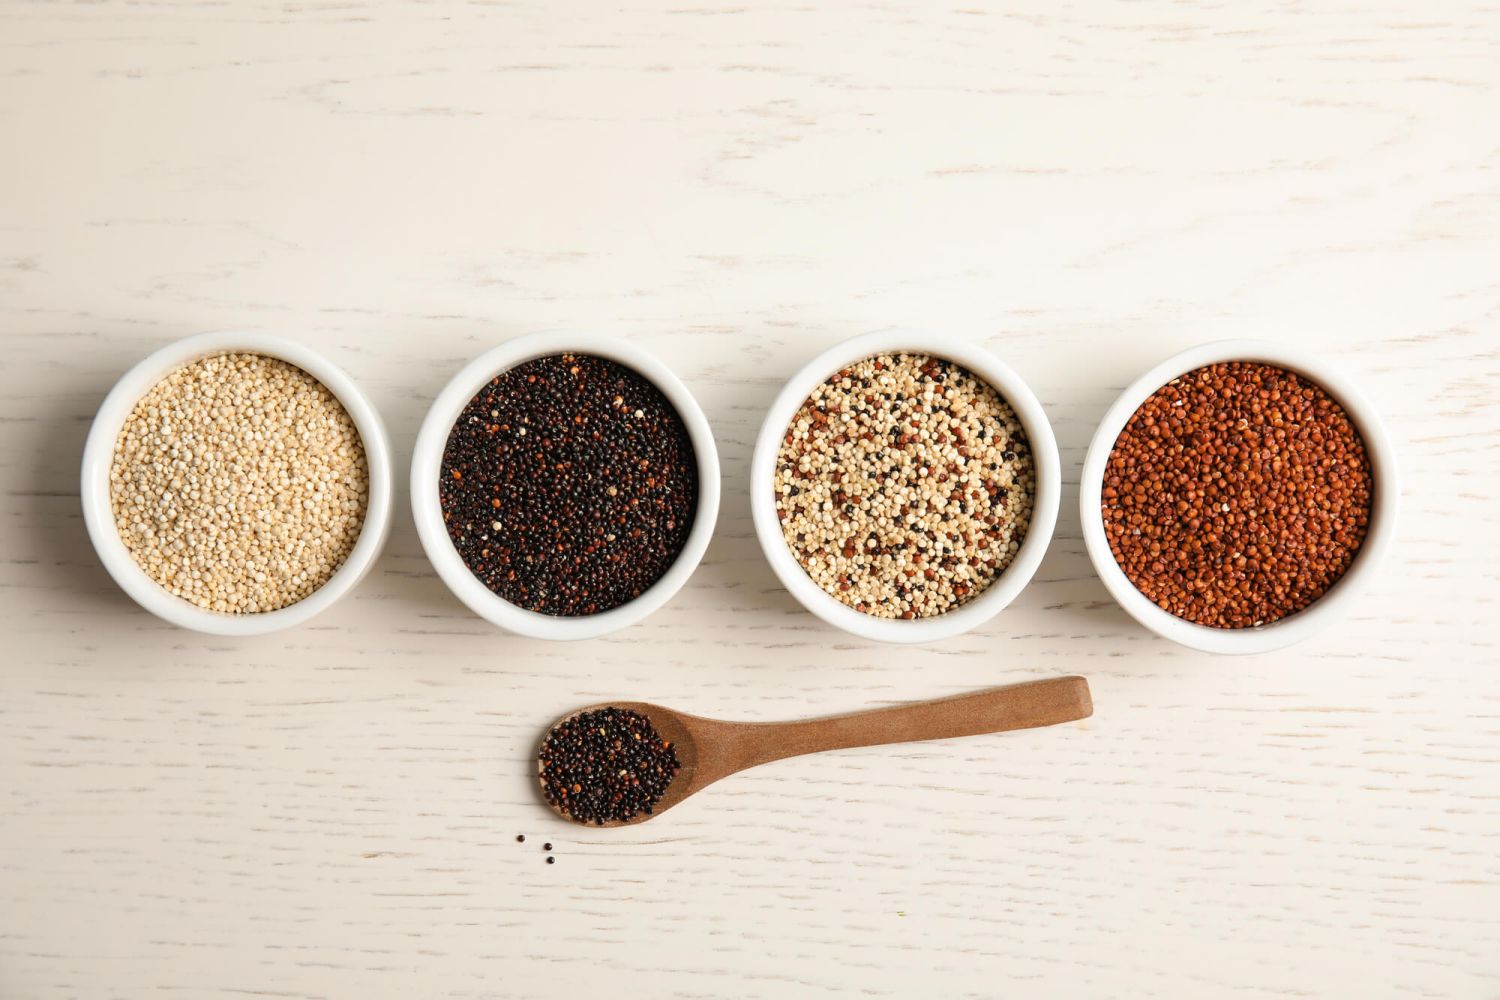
{"x":47,"y":502}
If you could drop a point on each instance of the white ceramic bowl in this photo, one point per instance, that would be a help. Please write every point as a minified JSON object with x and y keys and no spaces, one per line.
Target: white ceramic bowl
{"x":1044,"y":507}
{"x":426,"y":468}
{"x":1319,"y":614}
{"x":98,"y":456}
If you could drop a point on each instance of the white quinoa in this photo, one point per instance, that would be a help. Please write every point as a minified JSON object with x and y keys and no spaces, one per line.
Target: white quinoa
{"x":904,"y":486}
{"x":239,"y":483}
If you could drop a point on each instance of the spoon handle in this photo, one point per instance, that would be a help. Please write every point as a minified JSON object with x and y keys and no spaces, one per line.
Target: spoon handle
{"x":998,"y":710}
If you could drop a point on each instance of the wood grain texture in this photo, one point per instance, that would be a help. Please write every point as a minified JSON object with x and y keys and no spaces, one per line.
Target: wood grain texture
{"x":1085,"y":187}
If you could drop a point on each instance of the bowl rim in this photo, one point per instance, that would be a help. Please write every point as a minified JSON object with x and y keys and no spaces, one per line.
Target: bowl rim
{"x":1048,"y":467}
{"x":1322,"y":612}
{"x":98,"y":458}
{"x":426,"y":467}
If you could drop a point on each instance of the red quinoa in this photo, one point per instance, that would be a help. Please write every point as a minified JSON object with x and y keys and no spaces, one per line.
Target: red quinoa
{"x":1236,"y":495}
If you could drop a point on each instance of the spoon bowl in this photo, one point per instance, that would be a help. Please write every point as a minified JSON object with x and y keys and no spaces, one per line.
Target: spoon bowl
{"x":710,"y":749}
{"x":677,"y":728}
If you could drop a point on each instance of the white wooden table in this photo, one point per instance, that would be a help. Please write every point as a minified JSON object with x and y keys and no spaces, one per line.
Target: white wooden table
{"x":1085,"y":187}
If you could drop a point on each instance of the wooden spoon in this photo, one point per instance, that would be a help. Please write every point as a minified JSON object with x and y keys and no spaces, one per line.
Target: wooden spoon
{"x":710,"y":749}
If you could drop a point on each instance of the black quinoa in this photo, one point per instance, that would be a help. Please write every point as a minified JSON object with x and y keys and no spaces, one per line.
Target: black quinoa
{"x":569,"y":485}
{"x":608,"y":764}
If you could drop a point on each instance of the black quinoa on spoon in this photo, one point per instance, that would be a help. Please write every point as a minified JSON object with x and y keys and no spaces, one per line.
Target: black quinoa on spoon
{"x":569,"y":485}
{"x":609,"y":764}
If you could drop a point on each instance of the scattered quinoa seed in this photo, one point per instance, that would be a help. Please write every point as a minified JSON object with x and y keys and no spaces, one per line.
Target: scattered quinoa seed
{"x":904,"y":486}
{"x":239,"y":483}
